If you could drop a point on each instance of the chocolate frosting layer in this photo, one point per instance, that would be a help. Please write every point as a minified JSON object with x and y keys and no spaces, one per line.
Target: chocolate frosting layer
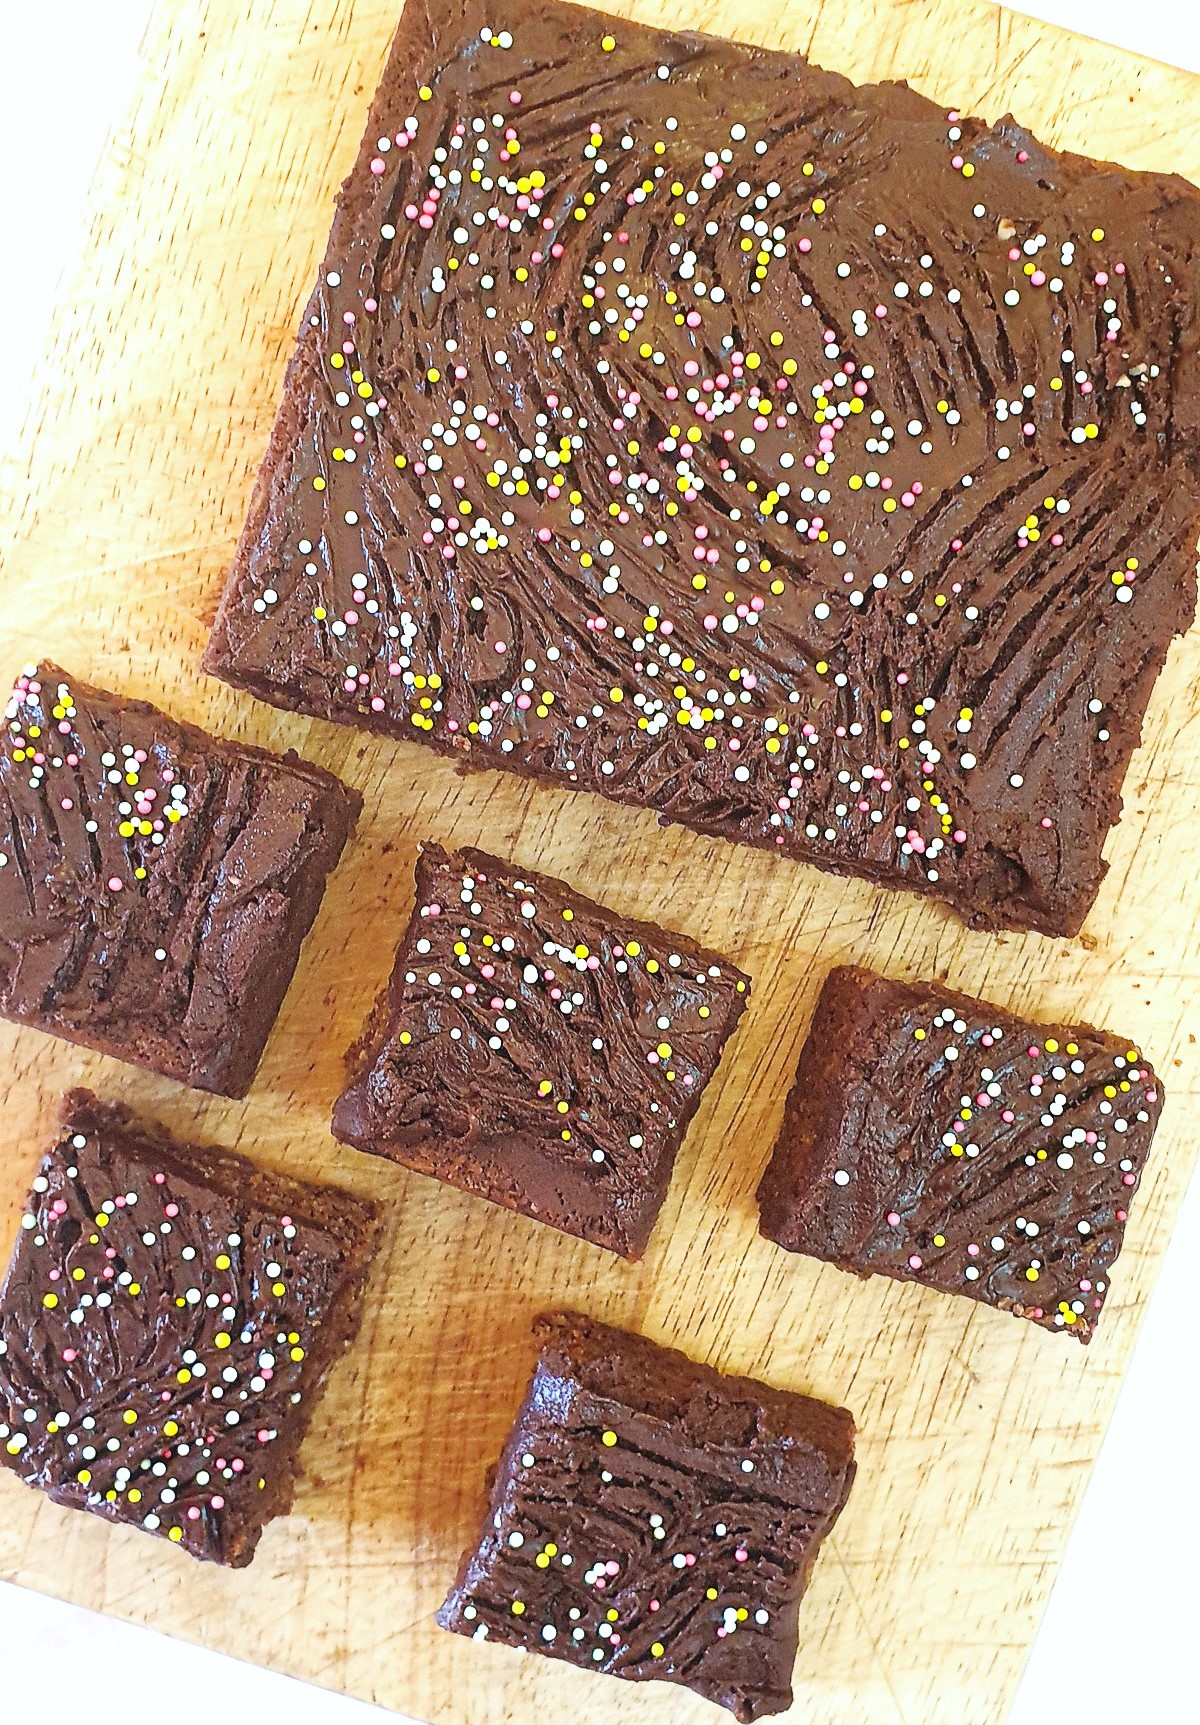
{"x":934,"y":1138}
{"x":539,"y":1050}
{"x":166,"y":1322}
{"x":155,"y":882}
{"x":652,"y":1518}
{"x":675,"y":420}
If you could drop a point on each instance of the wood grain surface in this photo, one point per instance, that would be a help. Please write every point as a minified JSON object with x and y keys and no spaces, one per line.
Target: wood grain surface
{"x":122,"y":503}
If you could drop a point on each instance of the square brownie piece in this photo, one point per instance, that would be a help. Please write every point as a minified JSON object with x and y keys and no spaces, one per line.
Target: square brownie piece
{"x":537,"y":1049}
{"x":167,"y":1323}
{"x":652,"y":1518}
{"x":675,"y":420}
{"x":934,"y":1138}
{"x":156,"y":883}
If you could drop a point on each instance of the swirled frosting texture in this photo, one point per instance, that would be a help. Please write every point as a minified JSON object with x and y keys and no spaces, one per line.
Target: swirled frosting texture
{"x":675,"y":420}
{"x":934,"y":1138}
{"x":539,"y":1050}
{"x":166,"y":1324}
{"x":155,"y":882}
{"x":651,"y":1518}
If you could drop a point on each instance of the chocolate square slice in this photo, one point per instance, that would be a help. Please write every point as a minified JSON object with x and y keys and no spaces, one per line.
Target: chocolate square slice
{"x":155,"y":882}
{"x":651,"y":1518}
{"x":934,"y":1138}
{"x":537,"y":1049}
{"x":675,"y":420}
{"x":167,"y":1323}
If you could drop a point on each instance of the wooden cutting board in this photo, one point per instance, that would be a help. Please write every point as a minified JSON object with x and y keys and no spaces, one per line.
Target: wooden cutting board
{"x":125,"y":495}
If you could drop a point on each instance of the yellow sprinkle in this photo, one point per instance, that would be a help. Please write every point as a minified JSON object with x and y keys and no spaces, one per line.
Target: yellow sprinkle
{"x":83,"y":1476}
{"x":1097,"y":233}
{"x":297,"y":1354}
{"x":175,"y":1534}
{"x":632,"y":948}
{"x":939,"y":1239}
{"x":221,"y":1339}
{"x":425,"y":92}
{"x":608,"y":43}
{"x":337,"y":361}
{"x":968,"y":170}
{"x":135,"y":1287}
{"x":405,"y":1037}
{"x":609,"y":1439}
{"x":170,"y":1429}
{"x":657,"y":1649}
{"x":50,"y":1300}
{"x":130,"y":1417}
{"x":1031,"y":1275}
{"x":318,"y":484}
{"x":818,"y":206}
{"x":278,"y":1289}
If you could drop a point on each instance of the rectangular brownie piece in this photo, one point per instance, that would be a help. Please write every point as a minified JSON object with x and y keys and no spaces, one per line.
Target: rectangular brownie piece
{"x":167,"y":1323}
{"x":156,"y":883}
{"x":675,"y":420}
{"x":537,"y":1049}
{"x":934,"y":1138}
{"x":652,"y":1518}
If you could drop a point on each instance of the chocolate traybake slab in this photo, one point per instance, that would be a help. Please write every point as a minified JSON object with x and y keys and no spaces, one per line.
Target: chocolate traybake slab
{"x":167,"y":1321}
{"x":675,"y":420}
{"x":156,"y":883}
{"x":935,"y":1139}
{"x":153,"y":408}
{"x":651,"y":1518}
{"x":539,"y":1050}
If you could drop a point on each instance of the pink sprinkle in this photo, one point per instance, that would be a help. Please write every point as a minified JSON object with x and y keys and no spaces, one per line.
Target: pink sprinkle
{"x":893,"y":1219}
{"x":193,"y":1514}
{"x":914,"y":1263}
{"x":806,"y":245}
{"x":218,"y":1503}
{"x":378,"y":165}
{"x":171,"y":1210}
{"x":67,"y":803}
{"x":1130,"y":1179}
{"x":501,"y":646}
{"x":741,"y":1554}
{"x":514,"y":97}
{"x":115,"y":885}
{"x":69,"y":1354}
{"x":1046,"y":821}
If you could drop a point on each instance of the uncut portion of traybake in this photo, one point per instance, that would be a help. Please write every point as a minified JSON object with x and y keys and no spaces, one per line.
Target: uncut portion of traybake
{"x":167,"y":1323}
{"x":936,"y":1139}
{"x":538,"y":1049}
{"x":675,"y":420}
{"x":653,"y":1518}
{"x":156,"y":883}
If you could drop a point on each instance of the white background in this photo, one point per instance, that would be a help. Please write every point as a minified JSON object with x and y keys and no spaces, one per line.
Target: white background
{"x":1119,"y":1639}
